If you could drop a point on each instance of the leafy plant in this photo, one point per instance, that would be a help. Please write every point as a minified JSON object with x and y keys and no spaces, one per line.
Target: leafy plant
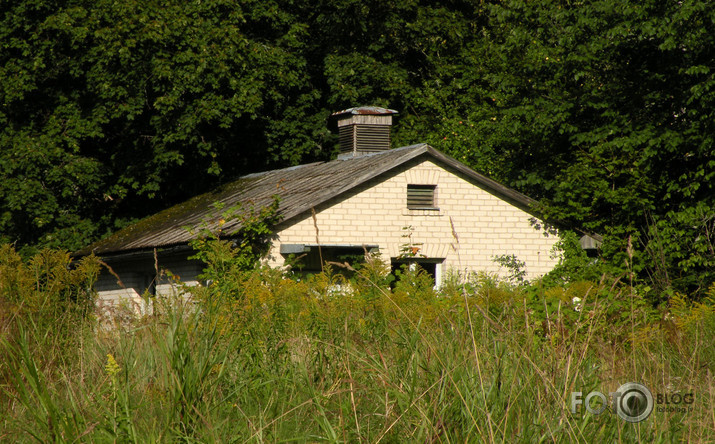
{"x":240,"y":250}
{"x":573,"y":262}
{"x":516,"y":268}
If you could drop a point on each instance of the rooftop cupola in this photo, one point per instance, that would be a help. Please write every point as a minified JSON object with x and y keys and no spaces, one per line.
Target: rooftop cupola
{"x":363,"y":130}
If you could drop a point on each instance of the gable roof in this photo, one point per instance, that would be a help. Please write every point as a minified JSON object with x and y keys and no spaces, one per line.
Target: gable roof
{"x":300,"y":188}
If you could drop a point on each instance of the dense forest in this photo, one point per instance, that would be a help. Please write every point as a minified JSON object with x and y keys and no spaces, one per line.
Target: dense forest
{"x":604,"y":111}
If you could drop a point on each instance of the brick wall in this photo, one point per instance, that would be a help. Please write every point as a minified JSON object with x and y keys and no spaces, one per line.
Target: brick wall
{"x":376,"y":212}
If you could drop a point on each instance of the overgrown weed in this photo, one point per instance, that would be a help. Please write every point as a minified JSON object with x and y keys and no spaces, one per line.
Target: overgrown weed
{"x":260,"y":358}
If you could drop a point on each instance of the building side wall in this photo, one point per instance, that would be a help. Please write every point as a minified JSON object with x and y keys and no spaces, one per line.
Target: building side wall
{"x":136,"y":275}
{"x":471,"y":227}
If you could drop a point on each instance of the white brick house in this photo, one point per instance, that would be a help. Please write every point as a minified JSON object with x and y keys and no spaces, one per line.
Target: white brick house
{"x":466,"y":227}
{"x":459,"y":218}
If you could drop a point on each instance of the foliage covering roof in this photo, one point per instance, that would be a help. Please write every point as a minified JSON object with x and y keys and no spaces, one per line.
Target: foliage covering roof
{"x":299,"y":189}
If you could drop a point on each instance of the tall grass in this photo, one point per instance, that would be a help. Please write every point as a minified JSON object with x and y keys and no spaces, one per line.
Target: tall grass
{"x":260,"y":358}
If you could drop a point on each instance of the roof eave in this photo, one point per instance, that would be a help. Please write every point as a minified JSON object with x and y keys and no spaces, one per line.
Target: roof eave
{"x":523,"y":201}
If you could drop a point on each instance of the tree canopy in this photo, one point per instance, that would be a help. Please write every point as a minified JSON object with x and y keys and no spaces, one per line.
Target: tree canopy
{"x":602,"y":110}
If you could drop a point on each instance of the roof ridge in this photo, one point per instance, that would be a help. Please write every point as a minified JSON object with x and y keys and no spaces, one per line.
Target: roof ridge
{"x":303,"y":165}
{"x":290,"y":168}
{"x":380,"y":153}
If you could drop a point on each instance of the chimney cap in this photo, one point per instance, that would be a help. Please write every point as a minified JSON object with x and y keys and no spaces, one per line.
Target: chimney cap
{"x":366,"y":111}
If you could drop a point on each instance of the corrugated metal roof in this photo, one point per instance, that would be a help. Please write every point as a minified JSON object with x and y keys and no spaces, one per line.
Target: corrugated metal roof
{"x":300,"y":188}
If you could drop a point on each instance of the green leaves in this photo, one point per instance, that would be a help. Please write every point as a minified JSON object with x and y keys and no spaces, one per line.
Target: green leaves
{"x":105,"y":105}
{"x":613,"y":125}
{"x":110,"y":111}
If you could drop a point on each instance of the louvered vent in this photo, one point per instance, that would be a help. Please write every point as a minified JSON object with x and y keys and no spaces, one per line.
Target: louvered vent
{"x":364,"y":138}
{"x":364,"y":130}
{"x":347,"y":138}
{"x":421,"y":197}
{"x":372,"y":138}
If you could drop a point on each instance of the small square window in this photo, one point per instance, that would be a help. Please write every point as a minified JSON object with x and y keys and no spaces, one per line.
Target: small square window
{"x":420,"y":197}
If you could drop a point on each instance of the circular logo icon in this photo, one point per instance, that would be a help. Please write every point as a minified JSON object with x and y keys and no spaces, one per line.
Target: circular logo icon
{"x":635,"y":402}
